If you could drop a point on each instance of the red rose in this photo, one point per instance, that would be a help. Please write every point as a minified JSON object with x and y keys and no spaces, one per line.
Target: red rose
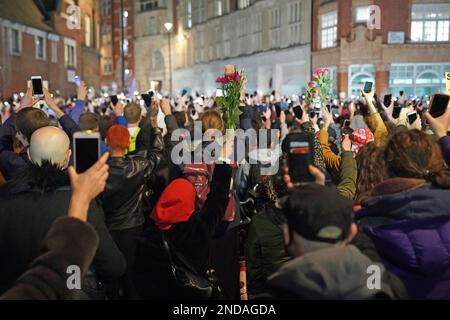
{"x":222,"y":80}
{"x":311,"y":84}
{"x":238,"y":78}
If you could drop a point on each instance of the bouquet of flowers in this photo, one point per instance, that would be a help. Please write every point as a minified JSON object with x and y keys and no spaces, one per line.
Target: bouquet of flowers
{"x":320,"y":88}
{"x":232,"y":83}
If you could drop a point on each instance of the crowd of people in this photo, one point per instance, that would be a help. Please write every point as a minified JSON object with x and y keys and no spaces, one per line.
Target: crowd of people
{"x":140,"y":226}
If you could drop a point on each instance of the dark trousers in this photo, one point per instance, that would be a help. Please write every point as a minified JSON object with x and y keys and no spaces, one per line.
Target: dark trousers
{"x":225,"y":260}
{"x":126,"y":241}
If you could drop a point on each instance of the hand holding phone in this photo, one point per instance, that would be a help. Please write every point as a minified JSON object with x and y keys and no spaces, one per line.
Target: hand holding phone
{"x":368,"y":87}
{"x":86,"y":147}
{"x":299,"y":148}
{"x":439,"y":104}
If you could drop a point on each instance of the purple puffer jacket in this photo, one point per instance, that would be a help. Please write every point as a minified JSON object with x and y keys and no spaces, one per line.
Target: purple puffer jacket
{"x":411,"y":232}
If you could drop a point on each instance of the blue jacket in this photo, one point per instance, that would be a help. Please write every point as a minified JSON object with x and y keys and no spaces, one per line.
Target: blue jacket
{"x":409,"y":223}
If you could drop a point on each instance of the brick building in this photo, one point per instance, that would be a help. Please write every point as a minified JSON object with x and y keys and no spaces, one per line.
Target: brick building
{"x":410,"y":50}
{"x":37,"y":39}
{"x":111,"y":70}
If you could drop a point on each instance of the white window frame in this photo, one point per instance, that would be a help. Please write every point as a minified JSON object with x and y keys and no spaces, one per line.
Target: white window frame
{"x":106,"y":8}
{"x":295,"y":22}
{"x":44,"y":47}
{"x":431,"y":18}
{"x":87,"y":31}
{"x":70,"y":43}
{"x":54,"y":49}
{"x":242,"y":4}
{"x":188,"y":14}
{"x":257,"y":26}
{"x":218,"y":8}
{"x":11,"y":47}
{"x":328,"y":28}
{"x":275,"y":28}
{"x":202,"y":10}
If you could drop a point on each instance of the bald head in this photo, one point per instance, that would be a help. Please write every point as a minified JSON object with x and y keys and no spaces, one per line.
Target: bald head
{"x":50,"y":144}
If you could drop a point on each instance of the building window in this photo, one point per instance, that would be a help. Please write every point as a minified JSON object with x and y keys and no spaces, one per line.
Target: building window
{"x":54,"y":52}
{"x":125,"y":47}
{"x":218,"y":8}
{"x":105,"y":8}
{"x":257,"y":29}
{"x":358,"y":74}
{"x":15,"y":41}
{"x":70,"y":53}
{"x":157,"y":60}
{"x":362,"y":14}
{"x":430,"y":22}
{"x":419,"y":79}
{"x":295,"y":20}
{"x":106,"y":35}
{"x":107,"y":66}
{"x":40,"y":47}
{"x":153,"y":26}
{"x":275,"y":27}
{"x":202,"y":10}
{"x":188,"y":15}
{"x":150,"y":4}
{"x":242,"y":4}
{"x":328,"y":28}
{"x":87,"y":31}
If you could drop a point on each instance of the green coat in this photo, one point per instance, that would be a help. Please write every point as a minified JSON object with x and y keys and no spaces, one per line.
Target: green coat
{"x":264,"y":249}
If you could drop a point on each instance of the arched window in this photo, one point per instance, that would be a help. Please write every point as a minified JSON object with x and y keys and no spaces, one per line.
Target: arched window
{"x":157,"y":60}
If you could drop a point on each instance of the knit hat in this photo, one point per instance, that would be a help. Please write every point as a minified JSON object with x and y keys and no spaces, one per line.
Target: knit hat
{"x":360,"y":138}
{"x":118,"y":137}
{"x":176,"y":204}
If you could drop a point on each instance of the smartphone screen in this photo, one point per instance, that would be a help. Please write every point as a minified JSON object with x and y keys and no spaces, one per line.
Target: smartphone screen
{"x":37,"y":86}
{"x":368,"y":86}
{"x":412,"y":117}
{"x":387,"y":100}
{"x":299,"y":149}
{"x":87,"y":151}
{"x":347,"y":123}
{"x":439,"y":104}
{"x":396,"y":112}
{"x":298,"y":112}
{"x":147,"y":99}
{"x":114,"y":100}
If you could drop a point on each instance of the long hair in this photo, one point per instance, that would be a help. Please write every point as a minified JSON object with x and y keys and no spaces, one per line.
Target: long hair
{"x":371,"y":170}
{"x":414,"y":154}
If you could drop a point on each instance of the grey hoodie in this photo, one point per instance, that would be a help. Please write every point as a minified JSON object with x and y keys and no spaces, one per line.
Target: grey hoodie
{"x":338,"y":272}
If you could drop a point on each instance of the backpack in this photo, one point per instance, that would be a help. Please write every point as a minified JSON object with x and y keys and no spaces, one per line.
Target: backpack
{"x":200,"y":175}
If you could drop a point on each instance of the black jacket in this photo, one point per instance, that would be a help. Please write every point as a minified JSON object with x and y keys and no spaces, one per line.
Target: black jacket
{"x":125,"y":190}
{"x":68,"y":242}
{"x":192,"y":239}
{"x":29,"y":204}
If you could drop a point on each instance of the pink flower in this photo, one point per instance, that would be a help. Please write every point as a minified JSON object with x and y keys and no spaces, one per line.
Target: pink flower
{"x":326,"y":71}
{"x":222,"y":80}
{"x":311,"y":84}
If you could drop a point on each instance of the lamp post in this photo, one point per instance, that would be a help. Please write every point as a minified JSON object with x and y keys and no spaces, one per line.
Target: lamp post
{"x":169,"y":26}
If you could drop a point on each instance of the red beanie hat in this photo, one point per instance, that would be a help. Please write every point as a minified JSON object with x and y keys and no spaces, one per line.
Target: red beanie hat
{"x":176,"y":204}
{"x":118,"y":137}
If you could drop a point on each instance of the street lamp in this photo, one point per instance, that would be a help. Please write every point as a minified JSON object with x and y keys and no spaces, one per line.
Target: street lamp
{"x":169,"y":26}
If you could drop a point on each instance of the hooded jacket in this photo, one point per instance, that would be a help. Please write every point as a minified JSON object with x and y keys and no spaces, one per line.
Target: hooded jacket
{"x":337,"y":272}
{"x":409,"y":222}
{"x":29,"y":204}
